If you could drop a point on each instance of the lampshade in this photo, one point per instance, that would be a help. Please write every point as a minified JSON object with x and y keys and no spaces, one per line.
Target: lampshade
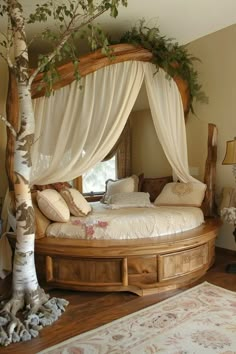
{"x":230,"y":155}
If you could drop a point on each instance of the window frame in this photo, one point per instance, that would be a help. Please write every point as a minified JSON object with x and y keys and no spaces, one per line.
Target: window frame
{"x":92,"y":196}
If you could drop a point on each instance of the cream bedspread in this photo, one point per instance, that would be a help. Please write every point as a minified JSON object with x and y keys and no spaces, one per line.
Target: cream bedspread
{"x":128,"y":223}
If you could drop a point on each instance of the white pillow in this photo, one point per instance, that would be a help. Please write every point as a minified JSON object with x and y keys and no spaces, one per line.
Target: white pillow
{"x":76,"y":202}
{"x":53,"y":206}
{"x":124,"y":185}
{"x":182,"y":194}
{"x":129,"y":200}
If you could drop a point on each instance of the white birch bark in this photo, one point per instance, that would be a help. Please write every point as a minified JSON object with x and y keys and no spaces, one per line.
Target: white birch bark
{"x":24,"y":274}
{"x":26,"y":290}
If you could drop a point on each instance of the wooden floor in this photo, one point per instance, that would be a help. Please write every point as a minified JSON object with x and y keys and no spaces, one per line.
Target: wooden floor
{"x":90,"y":310}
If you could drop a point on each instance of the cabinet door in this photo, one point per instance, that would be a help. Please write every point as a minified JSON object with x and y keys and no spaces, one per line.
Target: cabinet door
{"x":180,"y":263}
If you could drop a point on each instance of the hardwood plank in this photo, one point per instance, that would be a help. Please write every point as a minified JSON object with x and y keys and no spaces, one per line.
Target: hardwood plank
{"x":87,"y":311}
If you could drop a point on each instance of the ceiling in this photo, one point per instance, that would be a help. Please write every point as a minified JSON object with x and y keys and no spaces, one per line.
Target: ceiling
{"x":183,"y":20}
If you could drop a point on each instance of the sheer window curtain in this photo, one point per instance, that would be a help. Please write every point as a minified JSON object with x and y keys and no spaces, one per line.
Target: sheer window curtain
{"x":168,"y":117}
{"x":123,"y":153}
{"x":122,"y":149}
{"x":76,"y":128}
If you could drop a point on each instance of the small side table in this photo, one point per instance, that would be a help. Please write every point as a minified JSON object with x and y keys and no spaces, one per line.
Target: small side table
{"x":229,"y":216}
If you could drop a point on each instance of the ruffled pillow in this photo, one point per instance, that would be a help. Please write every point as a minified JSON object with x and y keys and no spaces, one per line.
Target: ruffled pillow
{"x":52,"y":205}
{"x":182,"y":194}
{"x":76,"y":202}
{"x":124,"y":185}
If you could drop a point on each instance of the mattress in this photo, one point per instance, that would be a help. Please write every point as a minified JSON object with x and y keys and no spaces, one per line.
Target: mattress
{"x":128,"y":223}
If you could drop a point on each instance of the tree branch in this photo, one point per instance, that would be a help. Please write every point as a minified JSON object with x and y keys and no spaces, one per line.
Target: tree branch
{"x":8,"y":125}
{"x":3,"y":57}
{"x":66,"y":35}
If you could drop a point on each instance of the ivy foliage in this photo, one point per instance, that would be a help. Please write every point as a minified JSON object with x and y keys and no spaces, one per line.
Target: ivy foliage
{"x":74,"y":20}
{"x":169,"y":55}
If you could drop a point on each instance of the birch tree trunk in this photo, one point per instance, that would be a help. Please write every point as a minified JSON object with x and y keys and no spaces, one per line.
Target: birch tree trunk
{"x":26,"y":290}
{"x":72,"y":17}
{"x":25,"y":281}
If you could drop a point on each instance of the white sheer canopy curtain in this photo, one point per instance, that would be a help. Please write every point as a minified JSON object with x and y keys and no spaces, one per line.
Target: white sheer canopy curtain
{"x":168,"y":118}
{"x":76,"y":128}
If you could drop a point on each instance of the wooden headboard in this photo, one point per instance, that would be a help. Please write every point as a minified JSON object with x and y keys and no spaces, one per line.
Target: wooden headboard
{"x":154,"y":186}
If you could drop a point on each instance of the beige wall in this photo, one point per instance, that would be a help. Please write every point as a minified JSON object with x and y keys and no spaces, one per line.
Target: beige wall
{"x":3,"y":91}
{"x":147,"y":154}
{"x":217,"y":73}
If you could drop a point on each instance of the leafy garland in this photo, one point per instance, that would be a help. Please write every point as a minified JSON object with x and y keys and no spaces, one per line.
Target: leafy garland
{"x":169,"y":55}
{"x":166,"y":53}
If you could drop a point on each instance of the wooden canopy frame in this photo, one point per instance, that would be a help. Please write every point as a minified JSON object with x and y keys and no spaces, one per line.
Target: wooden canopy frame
{"x":142,"y":266}
{"x":87,"y":64}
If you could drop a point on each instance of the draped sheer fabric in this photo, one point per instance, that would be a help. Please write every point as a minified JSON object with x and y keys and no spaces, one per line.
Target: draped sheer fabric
{"x":168,"y":118}
{"x":123,"y":154}
{"x":76,"y":128}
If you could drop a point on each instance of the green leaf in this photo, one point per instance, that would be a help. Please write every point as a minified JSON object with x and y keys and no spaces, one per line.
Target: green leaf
{"x":114,"y":11}
{"x":167,"y":54}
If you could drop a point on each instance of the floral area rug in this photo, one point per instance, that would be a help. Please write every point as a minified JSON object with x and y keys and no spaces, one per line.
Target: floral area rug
{"x":201,"y":320}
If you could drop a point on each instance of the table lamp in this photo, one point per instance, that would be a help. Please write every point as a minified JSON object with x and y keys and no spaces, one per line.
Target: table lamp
{"x":230,"y":155}
{"x":229,"y":214}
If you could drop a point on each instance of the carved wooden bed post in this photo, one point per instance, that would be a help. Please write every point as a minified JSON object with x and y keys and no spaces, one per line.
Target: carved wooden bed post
{"x":209,"y":204}
{"x":12,"y":112}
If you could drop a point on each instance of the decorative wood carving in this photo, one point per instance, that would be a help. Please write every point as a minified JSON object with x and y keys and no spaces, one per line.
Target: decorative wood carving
{"x":184,"y":262}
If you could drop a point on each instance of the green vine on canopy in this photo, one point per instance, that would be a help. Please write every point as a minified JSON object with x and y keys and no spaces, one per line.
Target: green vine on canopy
{"x":169,"y":55}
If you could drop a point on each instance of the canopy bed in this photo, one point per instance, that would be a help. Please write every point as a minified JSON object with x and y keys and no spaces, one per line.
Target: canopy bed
{"x":145,"y":264}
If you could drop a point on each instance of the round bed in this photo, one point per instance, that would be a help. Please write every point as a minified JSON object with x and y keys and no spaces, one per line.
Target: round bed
{"x":141,"y":266}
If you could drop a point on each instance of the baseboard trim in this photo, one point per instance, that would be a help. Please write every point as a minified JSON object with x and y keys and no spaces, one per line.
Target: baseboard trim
{"x":222,"y":250}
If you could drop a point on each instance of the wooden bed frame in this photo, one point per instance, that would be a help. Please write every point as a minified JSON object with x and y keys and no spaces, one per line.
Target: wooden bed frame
{"x":142,"y":266}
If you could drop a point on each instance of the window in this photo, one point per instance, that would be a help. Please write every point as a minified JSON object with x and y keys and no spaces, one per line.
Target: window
{"x":95,"y":179}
